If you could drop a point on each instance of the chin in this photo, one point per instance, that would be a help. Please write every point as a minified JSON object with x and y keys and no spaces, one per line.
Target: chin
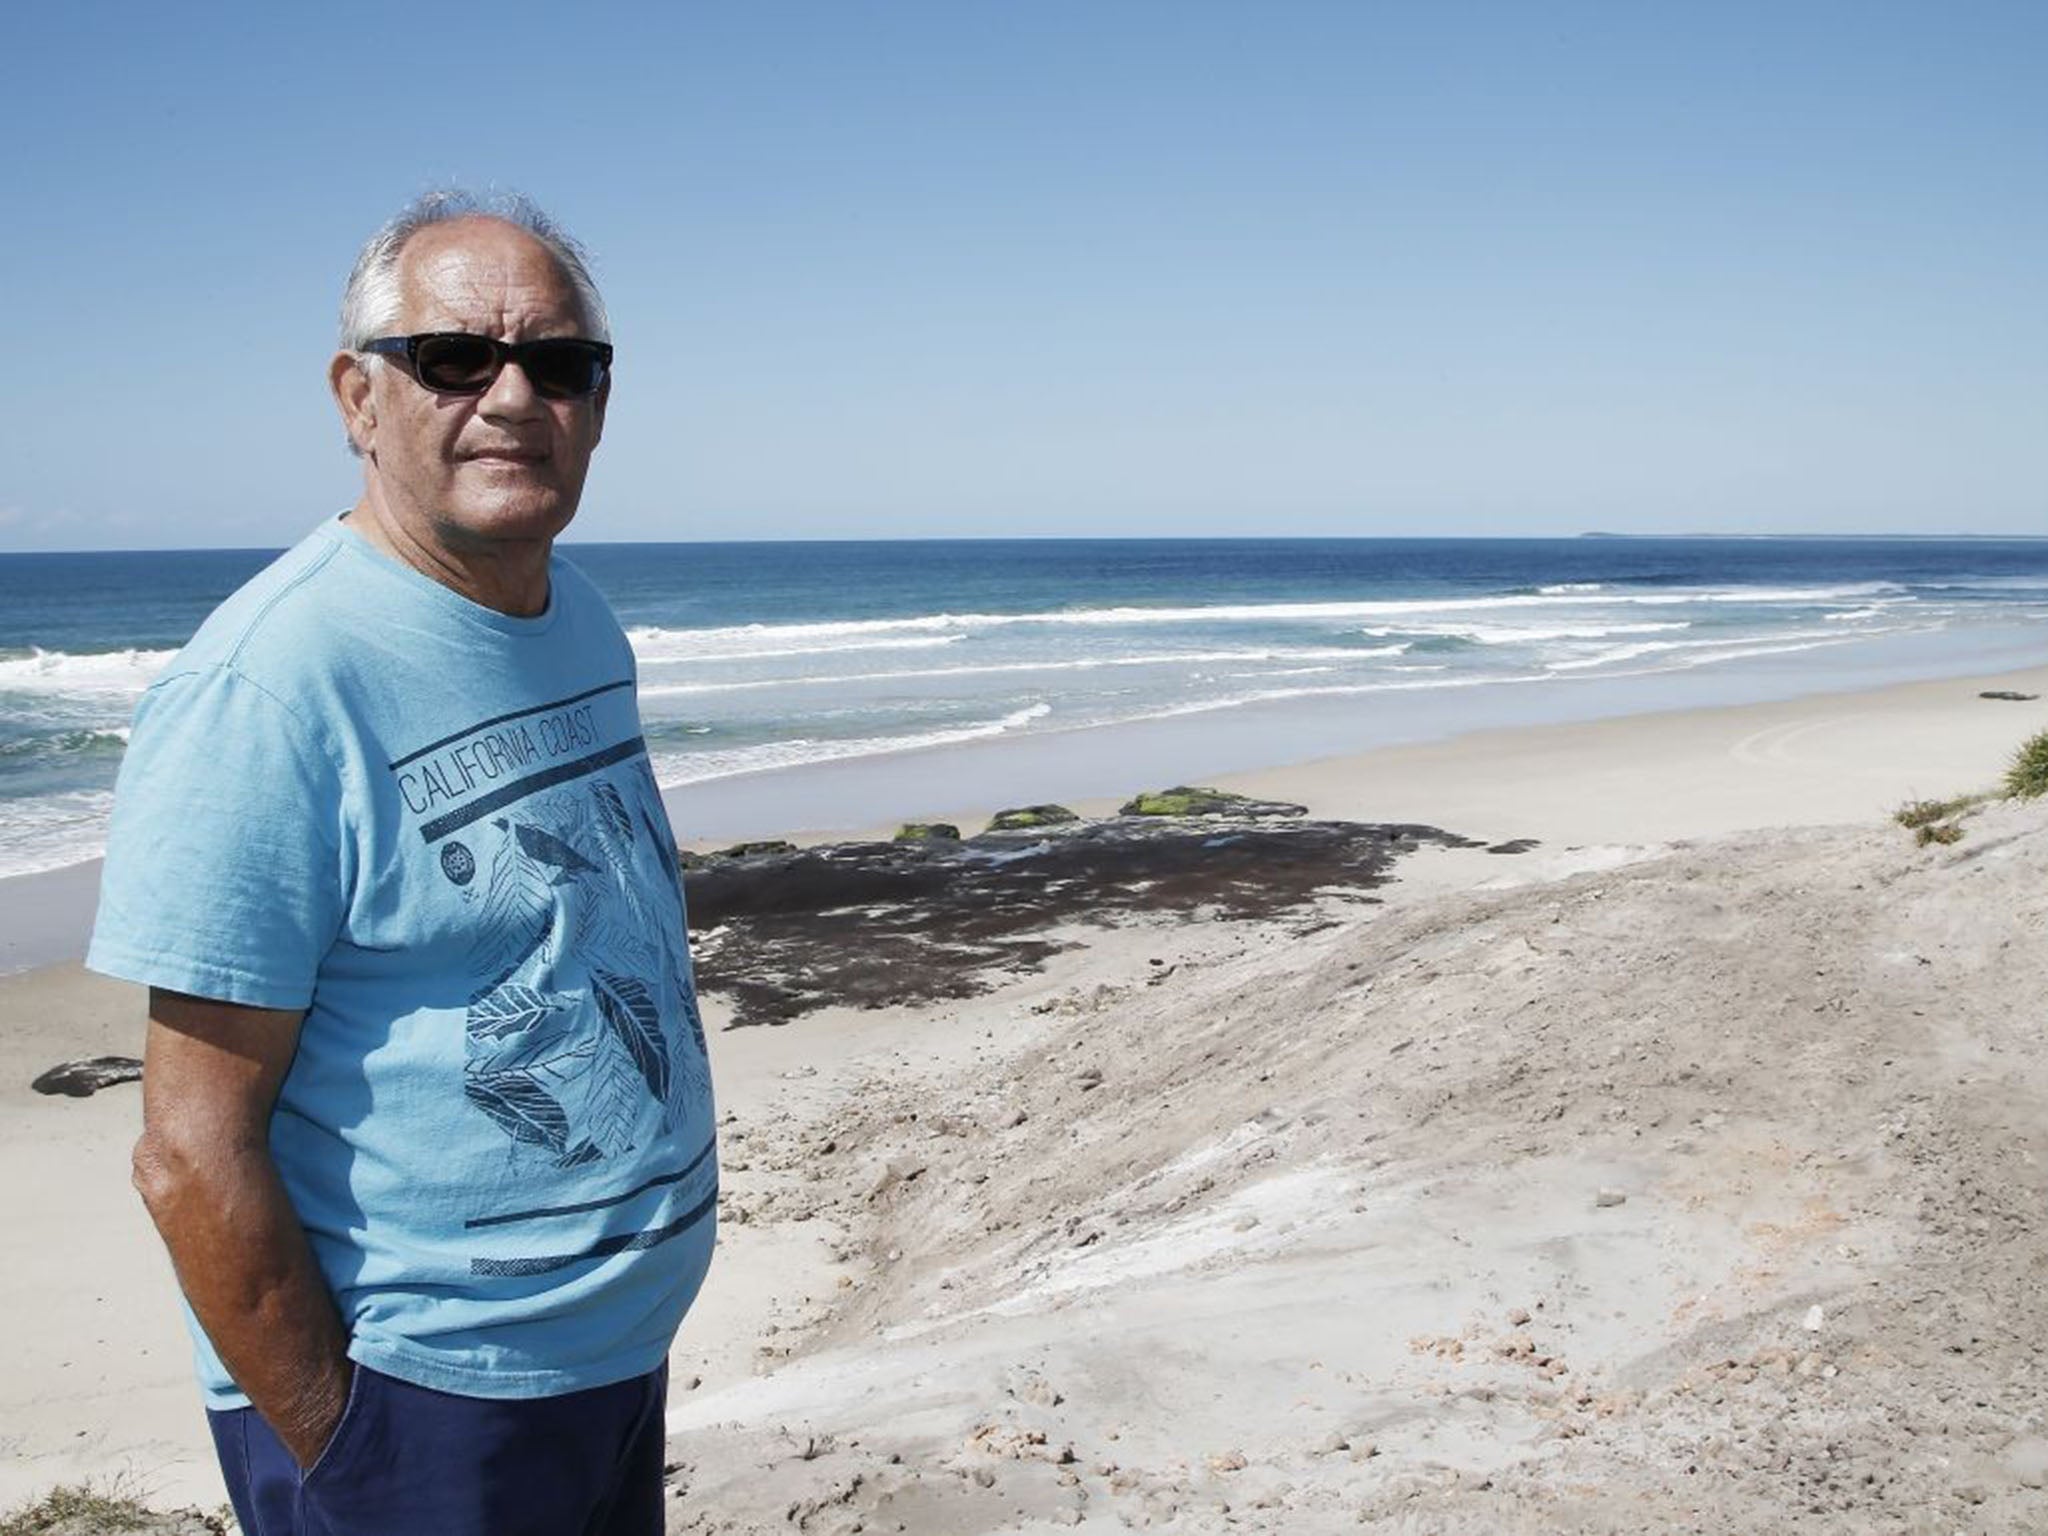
{"x":516,"y":518}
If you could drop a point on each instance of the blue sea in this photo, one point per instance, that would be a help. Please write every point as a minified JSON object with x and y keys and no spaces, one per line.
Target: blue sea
{"x":768,"y":659}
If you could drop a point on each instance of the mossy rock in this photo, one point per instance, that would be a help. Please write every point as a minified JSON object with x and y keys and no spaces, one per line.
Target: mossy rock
{"x":1194,"y":800}
{"x":927,"y":832}
{"x":1023,"y":818}
{"x":756,"y":849}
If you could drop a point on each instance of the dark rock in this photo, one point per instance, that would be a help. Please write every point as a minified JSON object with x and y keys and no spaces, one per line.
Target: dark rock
{"x":927,"y":832}
{"x":1023,"y":818}
{"x":766,"y":848}
{"x":882,"y":925}
{"x":1193,"y":800}
{"x":1515,"y":845}
{"x":2009,"y":695}
{"x":756,"y":850}
{"x":83,"y":1079}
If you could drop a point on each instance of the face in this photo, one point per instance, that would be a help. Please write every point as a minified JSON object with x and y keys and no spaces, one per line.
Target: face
{"x":476,"y":473}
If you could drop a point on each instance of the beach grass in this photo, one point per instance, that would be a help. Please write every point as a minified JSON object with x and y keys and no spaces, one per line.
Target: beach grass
{"x":1938,"y":821}
{"x":1915,"y":814}
{"x":103,"y":1509}
{"x":2027,"y":778}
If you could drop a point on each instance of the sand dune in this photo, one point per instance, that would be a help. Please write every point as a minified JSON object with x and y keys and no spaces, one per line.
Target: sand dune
{"x":1703,"y":1194}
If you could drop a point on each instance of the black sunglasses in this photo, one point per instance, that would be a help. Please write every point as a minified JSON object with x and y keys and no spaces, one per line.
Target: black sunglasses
{"x":457,"y":363}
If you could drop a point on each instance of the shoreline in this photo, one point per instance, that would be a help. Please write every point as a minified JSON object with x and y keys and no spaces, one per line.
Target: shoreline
{"x":1751,"y":764}
{"x":1810,"y":759}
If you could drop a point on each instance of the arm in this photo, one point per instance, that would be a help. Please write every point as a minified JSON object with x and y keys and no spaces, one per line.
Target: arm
{"x":211,"y":1073}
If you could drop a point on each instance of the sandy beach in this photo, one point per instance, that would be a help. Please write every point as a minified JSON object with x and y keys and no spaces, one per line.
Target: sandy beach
{"x":1679,"y":1171}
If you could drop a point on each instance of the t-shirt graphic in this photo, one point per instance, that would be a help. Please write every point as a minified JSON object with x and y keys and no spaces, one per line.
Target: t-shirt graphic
{"x":583,"y":1038}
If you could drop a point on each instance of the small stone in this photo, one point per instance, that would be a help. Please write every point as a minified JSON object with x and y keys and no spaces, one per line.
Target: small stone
{"x":1814,"y":1320}
{"x":1609,"y":1197}
{"x":1332,"y":1443}
{"x":1518,"y":1317}
{"x":1228,"y":1461}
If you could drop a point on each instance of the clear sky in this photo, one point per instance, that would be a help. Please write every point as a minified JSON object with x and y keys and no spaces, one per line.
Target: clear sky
{"x":1069,"y":267}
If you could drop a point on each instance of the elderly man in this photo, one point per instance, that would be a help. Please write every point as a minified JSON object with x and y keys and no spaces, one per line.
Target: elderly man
{"x":427,"y":1117}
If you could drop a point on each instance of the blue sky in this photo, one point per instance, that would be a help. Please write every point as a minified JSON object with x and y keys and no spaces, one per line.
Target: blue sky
{"x":997,"y":269}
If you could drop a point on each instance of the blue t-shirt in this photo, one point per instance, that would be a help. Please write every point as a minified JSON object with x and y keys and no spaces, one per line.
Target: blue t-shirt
{"x":433,"y":827}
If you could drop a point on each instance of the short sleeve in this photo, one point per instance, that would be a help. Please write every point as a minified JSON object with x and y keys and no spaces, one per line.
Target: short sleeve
{"x":223,"y":875}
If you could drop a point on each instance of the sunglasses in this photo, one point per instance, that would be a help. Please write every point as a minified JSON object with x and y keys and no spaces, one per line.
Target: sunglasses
{"x":457,"y":363}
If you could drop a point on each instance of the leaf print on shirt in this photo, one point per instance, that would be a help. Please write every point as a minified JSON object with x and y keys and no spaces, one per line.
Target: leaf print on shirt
{"x":583,"y":1037}
{"x":546,"y":848}
{"x":521,"y":1106}
{"x":508,"y":1008}
{"x":613,"y":806}
{"x":517,"y":920}
{"x":631,"y":1011}
{"x":616,"y":1097}
{"x":553,"y":1053}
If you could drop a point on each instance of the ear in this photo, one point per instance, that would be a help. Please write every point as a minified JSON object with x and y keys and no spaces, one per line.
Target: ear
{"x":349,"y":378}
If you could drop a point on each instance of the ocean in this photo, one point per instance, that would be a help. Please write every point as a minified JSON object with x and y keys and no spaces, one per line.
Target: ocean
{"x":761,"y":659}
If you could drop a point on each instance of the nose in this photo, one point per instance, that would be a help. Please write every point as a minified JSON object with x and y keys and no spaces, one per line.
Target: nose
{"x":511,"y":395}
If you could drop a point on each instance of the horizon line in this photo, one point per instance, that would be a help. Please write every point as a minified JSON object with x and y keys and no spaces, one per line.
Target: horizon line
{"x":570,"y":545}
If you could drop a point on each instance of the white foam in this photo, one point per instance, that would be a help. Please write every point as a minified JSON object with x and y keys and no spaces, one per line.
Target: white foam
{"x":1726,"y":649}
{"x":1324,"y":691}
{"x":1078,"y":664}
{"x":672,"y":771}
{"x":784,"y":639}
{"x":662,"y":645}
{"x":56,"y":744}
{"x":1520,"y":634}
{"x":51,"y":831}
{"x":95,"y":672}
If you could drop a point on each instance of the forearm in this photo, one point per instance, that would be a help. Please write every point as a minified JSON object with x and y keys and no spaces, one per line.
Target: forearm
{"x":248,"y":1272}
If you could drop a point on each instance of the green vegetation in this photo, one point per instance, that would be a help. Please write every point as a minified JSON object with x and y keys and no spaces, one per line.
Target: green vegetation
{"x":80,"y":1509}
{"x":1939,"y":821}
{"x":87,"y":1509}
{"x":1021,"y":818}
{"x":1915,"y":814}
{"x":2027,"y":778}
{"x":1186,"y":800}
{"x":927,"y":832}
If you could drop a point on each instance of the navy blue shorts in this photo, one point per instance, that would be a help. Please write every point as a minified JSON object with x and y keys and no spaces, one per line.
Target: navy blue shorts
{"x":410,"y":1461}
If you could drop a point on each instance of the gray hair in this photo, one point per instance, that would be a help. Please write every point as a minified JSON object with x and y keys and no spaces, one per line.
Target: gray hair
{"x":370,"y":304}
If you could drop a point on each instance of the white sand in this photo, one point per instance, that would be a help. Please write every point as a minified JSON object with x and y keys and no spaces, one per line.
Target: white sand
{"x":1321,"y":1171}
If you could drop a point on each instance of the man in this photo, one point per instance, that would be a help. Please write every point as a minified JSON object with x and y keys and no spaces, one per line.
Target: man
{"x":427,"y":1116}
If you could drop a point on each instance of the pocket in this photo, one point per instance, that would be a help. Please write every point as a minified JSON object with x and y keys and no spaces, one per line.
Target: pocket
{"x":352,"y":1413}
